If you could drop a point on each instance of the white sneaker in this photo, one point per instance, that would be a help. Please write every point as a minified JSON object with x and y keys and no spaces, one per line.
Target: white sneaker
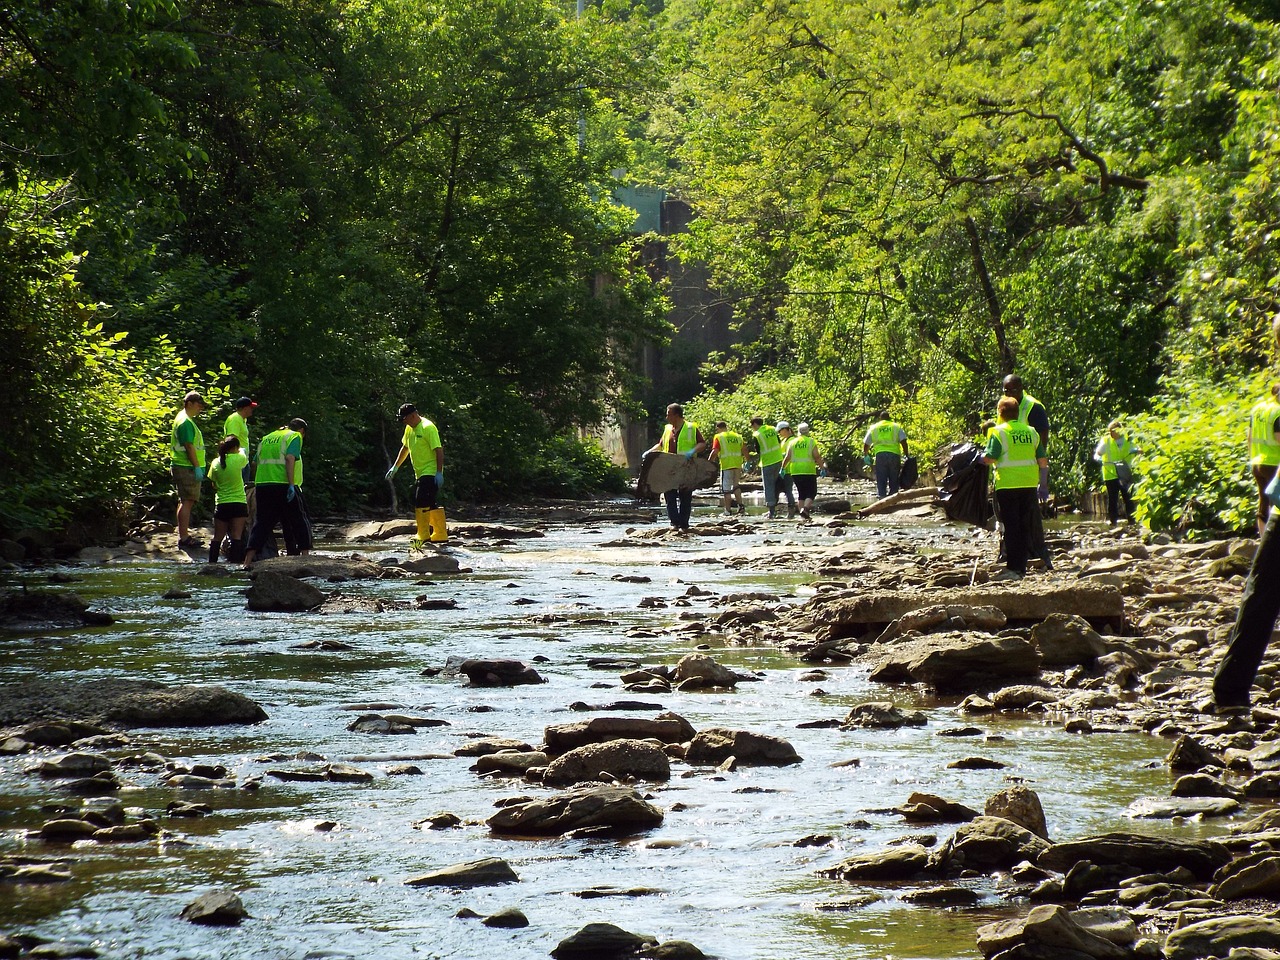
{"x":1007,"y":575}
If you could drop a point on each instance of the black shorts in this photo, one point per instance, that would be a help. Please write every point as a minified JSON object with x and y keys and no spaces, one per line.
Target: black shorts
{"x":806,"y":485}
{"x":424,"y":492}
{"x":230,"y":511}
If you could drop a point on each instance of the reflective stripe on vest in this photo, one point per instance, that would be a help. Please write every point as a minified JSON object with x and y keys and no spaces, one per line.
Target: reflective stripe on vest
{"x":802,"y":463}
{"x":1263,"y":448}
{"x":730,"y":450}
{"x":770,"y":446}
{"x":884,"y":437}
{"x":271,"y":458}
{"x":1016,"y":466}
{"x":687,"y":440}
{"x":178,"y":451}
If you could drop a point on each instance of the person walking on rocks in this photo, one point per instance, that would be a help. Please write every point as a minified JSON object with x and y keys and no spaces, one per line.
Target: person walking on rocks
{"x":231,"y":508}
{"x":684,"y":438}
{"x":421,"y":444}
{"x":726,"y":449}
{"x":1115,"y":451}
{"x":886,"y":441}
{"x":277,"y":477}
{"x":802,"y":461}
{"x":1264,"y":448}
{"x":769,"y":448}
{"x":786,"y":485}
{"x":1014,"y":450}
{"x":187,"y":464}
{"x":1032,"y":412}
{"x":1259,"y":607}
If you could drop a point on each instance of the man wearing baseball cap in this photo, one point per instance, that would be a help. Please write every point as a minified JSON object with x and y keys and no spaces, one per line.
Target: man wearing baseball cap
{"x":421,"y":445}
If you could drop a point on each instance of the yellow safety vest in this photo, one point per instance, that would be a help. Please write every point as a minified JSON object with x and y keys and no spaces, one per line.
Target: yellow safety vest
{"x":885,"y":437}
{"x":1263,"y":448}
{"x":802,"y":463}
{"x":730,"y":450}
{"x":1115,"y":451}
{"x":770,"y":445}
{"x":687,"y":440}
{"x":271,"y":457}
{"x":179,"y":452}
{"x":1016,"y":466}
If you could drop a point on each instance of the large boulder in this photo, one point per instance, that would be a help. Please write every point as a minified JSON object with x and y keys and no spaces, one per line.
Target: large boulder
{"x":990,"y":843}
{"x":277,"y":593}
{"x":910,"y":861}
{"x":37,"y":610}
{"x":125,"y":703}
{"x":955,"y":662}
{"x":1052,"y":928}
{"x":665,"y":728}
{"x":586,"y":807}
{"x":1221,"y":936}
{"x":499,"y":673}
{"x":1138,"y":853}
{"x":601,"y":941}
{"x":698,"y":670}
{"x":1020,"y":804}
{"x":1065,"y":639}
{"x":638,"y":759}
{"x":716,"y":745}
{"x":322,"y":566}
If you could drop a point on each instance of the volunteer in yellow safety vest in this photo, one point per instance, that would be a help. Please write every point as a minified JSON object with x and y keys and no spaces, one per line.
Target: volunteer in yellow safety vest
{"x":1264,"y":448}
{"x":421,"y":444}
{"x":769,"y":448}
{"x":884,"y":439}
{"x":1015,"y":450}
{"x":186,"y":464}
{"x":802,"y":461}
{"x":1115,"y":451}
{"x":683,"y":438}
{"x":231,"y":507}
{"x":277,"y":476}
{"x":786,"y":486}
{"x":727,"y":449}
{"x":237,"y":426}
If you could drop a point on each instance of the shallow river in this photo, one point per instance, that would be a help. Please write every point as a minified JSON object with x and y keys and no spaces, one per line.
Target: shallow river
{"x":724,"y":868}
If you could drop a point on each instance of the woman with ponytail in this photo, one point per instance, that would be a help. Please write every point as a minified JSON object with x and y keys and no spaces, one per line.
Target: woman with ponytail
{"x":231,"y":505}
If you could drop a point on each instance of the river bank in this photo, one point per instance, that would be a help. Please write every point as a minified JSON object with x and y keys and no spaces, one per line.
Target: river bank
{"x":319,"y":816}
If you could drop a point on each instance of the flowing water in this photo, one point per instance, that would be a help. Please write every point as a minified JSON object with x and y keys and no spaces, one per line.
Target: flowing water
{"x":722,"y":871}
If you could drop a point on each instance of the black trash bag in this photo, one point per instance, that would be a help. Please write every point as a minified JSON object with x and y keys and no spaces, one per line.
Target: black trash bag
{"x":908,"y":473}
{"x":964,"y":495}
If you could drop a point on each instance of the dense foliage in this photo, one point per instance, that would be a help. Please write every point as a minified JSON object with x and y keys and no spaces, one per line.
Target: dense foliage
{"x":341,"y":206}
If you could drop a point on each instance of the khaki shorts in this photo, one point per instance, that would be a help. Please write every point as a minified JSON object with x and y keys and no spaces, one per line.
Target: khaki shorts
{"x":729,"y":479}
{"x":184,"y":478}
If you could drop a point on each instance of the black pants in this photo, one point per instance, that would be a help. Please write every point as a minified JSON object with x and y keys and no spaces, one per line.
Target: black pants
{"x":1259,"y":606}
{"x":1116,"y":490}
{"x":425,"y":493}
{"x":274,"y":508}
{"x":679,"y":507}
{"x":1018,"y":508}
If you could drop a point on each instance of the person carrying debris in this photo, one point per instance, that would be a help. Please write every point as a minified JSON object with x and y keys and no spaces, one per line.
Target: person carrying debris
{"x":1015,"y":451}
{"x":683,"y":438}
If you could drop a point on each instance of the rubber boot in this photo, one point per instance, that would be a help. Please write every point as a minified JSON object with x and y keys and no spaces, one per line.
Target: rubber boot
{"x":235,"y":550}
{"x":439,"y":532}
{"x":422,"y":516}
{"x":214,"y":545}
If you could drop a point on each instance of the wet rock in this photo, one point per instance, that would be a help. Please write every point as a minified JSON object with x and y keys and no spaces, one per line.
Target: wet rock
{"x":942,"y":897}
{"x":276,"y":592}
{"x":483,"y":746}
{"x":1188,"y":753}
{"x":128,"y":832}
{"x":1049,"y":926}
{"x":488,"y":872}
{"x":66,"y":831}
{"x":216,"y":909}
{"x":906,"y":862}
{"x":1139,"y":854}
{"x":321,"y":566}
{"x":74,"y":765}
{"x":601,"y":941}
{"x":674,"y":950}
{"x":926,"y":808}
{"x":1161,"y":808}
{"x":440,"y":821}
{"x":12,"y":871}
{"x":375,"y":723}
{"x":1255,"y":875}
{"x":990,"y":843}
{"x":1020,"y":804}
{"x":1064,"y":639}
{"x":696,"y":671}
{"x":183,"y":808}
{"x":52,"y":734}
{"x":511,"y":763}
{"x":636,"y":759}
{"x":952,"y":617}
{"x":346,"y":773}
{"x":1022,"y":696}
{"x":881,"y":715}
{"x":128,"y":703}
{"x":665,"y":728}
{"x":1223,"y":936}
{"x":431,"y":563}
{"x":716,"y":745}
{"x":583,"y":808}
{"x":955,"y":662}
{"x":34,"y":610}
{"x":499,"y":673}
{"x":1203,"y":785}
{"x":975,"y":763}
{"x":508,"y":919}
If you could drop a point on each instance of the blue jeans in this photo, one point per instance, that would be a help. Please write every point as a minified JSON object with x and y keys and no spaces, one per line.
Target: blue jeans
{"x":679,"y":506}
{"x":769,"y":478}
{"x":888,"y":465}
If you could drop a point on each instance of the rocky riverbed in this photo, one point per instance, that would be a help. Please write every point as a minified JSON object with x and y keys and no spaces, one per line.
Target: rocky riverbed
{"x":572,"y":732}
